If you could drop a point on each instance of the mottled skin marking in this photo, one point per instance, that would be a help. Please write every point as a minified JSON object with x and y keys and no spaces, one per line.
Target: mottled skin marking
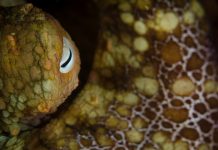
{"x":30,"y":81}
{"x":176,"y":109}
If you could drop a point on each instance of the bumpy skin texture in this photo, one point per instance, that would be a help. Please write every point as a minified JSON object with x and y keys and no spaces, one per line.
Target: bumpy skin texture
{"x":31,"y":84}
{"x":153,"y":85}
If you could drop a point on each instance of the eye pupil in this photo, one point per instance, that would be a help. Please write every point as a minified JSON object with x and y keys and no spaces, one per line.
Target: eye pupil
{"x":68,"y":60}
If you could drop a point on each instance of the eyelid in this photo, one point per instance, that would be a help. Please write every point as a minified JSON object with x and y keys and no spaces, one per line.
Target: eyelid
{"x":67,"y":60}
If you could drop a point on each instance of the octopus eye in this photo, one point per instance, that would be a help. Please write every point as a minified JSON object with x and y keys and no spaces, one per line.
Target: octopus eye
{"x":67,"y":59}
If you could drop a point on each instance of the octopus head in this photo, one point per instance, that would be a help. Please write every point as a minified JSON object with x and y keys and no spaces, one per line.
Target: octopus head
{"x":39,"y":64}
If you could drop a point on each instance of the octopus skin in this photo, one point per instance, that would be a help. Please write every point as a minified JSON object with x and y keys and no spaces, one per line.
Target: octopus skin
{"x":34,"y":79}
{"x":153,"y":85}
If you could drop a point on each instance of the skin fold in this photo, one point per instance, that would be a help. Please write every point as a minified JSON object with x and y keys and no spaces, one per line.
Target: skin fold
{"x":153,"y":85}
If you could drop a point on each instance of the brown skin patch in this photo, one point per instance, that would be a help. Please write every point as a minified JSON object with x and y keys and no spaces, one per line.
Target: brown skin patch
{"x":178,"y":32}
{"x":167,"y":125}
{"x":210,"y":70}
{"x":171,"y":53}
{"x":189,"y":133}
{"x":215,"y":135}
{"x":176,"y":103}
{"x":197,"y":76}
{"x":176,"y":115}
{"x":205,"y":125}
{"x":150,"y":114}
{"x":195,"y":62}
{"x":86,"y":142}
{"x":172,"y":76}
{"x":12,"y":44}
{"x":214,"y":116}
{"x":161,"y":36}
{"x":213,"y":102}
{"x":200,"y":108}
{"x":190,"y":42}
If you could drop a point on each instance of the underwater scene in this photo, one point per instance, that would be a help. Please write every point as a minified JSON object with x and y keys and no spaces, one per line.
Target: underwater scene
{"x":108,"y":75}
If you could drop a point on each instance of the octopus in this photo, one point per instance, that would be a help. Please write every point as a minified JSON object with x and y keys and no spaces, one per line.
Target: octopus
{"x":153,"y":83}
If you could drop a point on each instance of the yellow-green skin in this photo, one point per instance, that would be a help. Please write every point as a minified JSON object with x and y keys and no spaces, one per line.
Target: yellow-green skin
{"x":31,"y":84}
{"x":153,"y":86}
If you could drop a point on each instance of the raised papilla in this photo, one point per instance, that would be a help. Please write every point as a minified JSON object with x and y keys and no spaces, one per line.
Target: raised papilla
{"x":153,"y":85}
